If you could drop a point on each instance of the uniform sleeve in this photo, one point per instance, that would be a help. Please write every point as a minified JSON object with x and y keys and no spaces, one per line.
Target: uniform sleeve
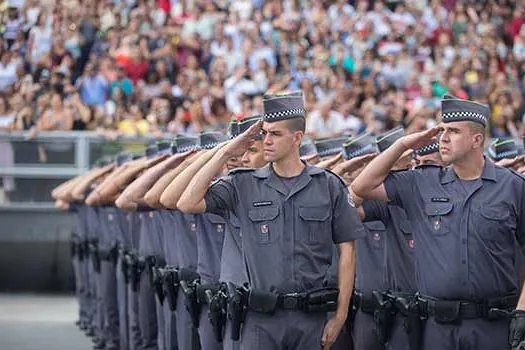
{"x":346,"y":225}
{"x":220,"y":198}
{"x":399,"y":185}
{"x":374,"y":211}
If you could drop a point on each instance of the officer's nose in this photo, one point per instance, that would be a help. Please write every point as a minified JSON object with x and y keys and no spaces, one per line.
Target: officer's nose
{"x":267,"y":139}
{"x":443,"y":138}
{"x":244,"y":158}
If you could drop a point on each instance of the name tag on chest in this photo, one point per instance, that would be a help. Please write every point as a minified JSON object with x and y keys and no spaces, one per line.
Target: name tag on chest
{"x":262,"y":203}
{"x":440,"y":200}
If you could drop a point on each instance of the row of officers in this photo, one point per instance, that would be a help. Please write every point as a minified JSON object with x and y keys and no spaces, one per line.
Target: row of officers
{"x":263,"y":239}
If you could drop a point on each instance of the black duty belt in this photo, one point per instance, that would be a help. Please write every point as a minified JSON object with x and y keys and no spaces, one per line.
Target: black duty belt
{"x":451,"y":311}
{"x":319,"y":300}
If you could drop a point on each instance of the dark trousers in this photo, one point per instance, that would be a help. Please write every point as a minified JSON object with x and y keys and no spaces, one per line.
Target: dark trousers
{"x":206,"y":335}
{"x":147,"y":314}
{"x":364,"y":332}
{"x":286,"y":329}
{"x":111,"y":311}
{"x":477,"y":334}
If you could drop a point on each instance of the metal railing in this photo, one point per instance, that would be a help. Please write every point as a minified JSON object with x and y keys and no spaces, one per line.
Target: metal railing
{"x":31,"y":167}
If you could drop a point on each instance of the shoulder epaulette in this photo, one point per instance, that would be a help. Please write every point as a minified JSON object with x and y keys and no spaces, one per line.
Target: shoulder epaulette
{"x":521,"y":176}
{"x":337,"y":176}
{"x":240,"y":170}
{"x":424,"y":166}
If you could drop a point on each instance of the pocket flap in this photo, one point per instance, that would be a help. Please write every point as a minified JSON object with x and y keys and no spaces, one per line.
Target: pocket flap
{"x":263,"y":214}
{"x":216,"y":219}
{"x":234,"y":221}
{"x":494,"y":212}
{"x":405,"y":227}
{"x":375,"y":226}
{"x":320,"y":213}
{"x":438,"y":209}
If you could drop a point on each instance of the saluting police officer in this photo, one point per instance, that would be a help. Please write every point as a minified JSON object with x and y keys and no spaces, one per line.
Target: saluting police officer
{"x":466,"y":218}
{"x":290,"y":214}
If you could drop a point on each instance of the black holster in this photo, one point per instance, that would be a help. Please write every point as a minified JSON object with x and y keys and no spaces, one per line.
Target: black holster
{"x":154,"y":265}
{"x":113,"y":254}
{"x":83,"y":250}
{"x":74,"y":249}
{"x":137,"y":265}
{"x":237,"y":307}
{"x":124,"y":266}
{"x":95,"y":256}
{"x":217,"y":311}
{"x":188,"y":282}
{"x":413,"y":322}
{"x":384,"y":315}
{"x":170,"y":282}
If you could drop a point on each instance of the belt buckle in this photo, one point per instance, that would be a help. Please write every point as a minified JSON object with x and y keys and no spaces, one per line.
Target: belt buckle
{"x":290,"y":301}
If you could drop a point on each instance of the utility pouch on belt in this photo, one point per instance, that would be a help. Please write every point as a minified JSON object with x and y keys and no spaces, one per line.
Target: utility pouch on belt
{"x":263,"y":302}
{"x":321,"y":300}
{"x":446,"y":312}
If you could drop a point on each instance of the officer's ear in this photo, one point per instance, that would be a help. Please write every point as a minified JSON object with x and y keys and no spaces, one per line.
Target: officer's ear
{"x":478,"y":135}
{"x":298,"y":138}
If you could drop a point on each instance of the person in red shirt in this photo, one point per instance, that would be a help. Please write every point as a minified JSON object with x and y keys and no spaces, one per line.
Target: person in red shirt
{"x":514,"y":26}
{"x":137,"y":67}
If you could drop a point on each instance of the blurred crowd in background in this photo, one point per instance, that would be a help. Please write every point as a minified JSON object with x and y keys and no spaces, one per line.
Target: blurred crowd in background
{"x":136,"y":67}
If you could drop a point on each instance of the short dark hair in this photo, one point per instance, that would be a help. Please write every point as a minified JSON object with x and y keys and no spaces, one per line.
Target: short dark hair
{"x":477,"y":128}
{"x":296,"y":124}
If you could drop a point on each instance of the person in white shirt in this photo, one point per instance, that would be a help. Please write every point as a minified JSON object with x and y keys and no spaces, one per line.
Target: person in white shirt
{"x":325,"y":122}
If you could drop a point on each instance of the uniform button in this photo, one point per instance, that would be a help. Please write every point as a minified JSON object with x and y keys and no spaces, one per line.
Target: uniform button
{"x":464,"y":241}
{"x":463,"y":262}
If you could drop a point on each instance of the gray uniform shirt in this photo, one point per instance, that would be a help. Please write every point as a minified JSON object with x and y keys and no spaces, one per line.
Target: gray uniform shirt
{"x":370,"y":258}
{"x":92,"y":222}
{"x":180,"y":239}
{"x":465,"y":245}
{"x":210,"y":238}
{"x":400,"y":275}
{"x":232,"y":261}
{"x":287,"y":234}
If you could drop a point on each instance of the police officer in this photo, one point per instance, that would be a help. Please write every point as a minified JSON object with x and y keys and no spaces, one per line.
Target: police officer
{"x":181,"y":257}
{"x":399,"y":276}
{"x":70,"y":196}
{"x":171,"y":222}
{"x":368,"y":329}
{"x":285,"y":209}
{"x":210,"y":237}
{"x":467,"y":218}
{"x":232,"y":262}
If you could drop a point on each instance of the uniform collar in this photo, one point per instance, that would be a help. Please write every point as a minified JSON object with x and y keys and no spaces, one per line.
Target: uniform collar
{"x":274,"y":182}
{"x":488,"y":173}
{"x":267,"y":170}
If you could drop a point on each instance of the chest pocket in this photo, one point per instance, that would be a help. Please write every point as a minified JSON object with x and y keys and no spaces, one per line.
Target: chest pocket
{"x":494,"y":222}
{"x":218,"y":226}
{"x":376,"y":231}
{"x":438,"y":217}
{"x":264,"y":224}
{"x":408,"y":234}
{"x":315,"y":224}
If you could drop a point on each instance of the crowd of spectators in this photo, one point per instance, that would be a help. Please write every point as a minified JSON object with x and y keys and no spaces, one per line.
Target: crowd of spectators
{"x":128,"y":67}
